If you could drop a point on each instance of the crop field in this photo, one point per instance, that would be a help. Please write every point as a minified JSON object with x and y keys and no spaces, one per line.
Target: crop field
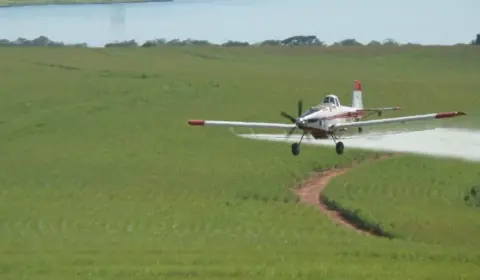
{"x":102,"y":178}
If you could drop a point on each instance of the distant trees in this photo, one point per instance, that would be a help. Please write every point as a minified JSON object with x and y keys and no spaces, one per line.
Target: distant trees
{"x":293,"y":41}
{"x":39,"y":41}
{"x":302,"y":40}
{"x":235,"y":44}
{"x":130,"y":43}
{"x":374,"y":43}
{"x":348,"y":42}
{"x":390,"y":42}
{"x":175,"y":42}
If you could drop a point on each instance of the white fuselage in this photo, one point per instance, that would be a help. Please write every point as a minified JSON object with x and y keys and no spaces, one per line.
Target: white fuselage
{"x":318,"y":120}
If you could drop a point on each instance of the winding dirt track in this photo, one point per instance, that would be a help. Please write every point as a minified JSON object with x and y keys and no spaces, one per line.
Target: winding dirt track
{"x":310,"y":192}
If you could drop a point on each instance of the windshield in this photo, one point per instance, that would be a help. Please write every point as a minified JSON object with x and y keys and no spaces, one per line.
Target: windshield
{"x":331,"y":99}
{"x":310,"y":111}
{"x":328,"y":100}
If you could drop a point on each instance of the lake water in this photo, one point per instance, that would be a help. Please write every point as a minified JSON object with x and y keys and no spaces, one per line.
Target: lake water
{"x":425,"y":22}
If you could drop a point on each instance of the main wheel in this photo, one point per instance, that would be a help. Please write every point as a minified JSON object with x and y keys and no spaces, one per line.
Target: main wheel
{"x":339,"y":148}
{"x":295,"y":149}
{"x":360,"y":129}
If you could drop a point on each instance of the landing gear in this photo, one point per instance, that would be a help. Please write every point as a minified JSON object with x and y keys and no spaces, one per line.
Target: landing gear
{"x":295,"y":149}
{"x":338,"y":145}
{"x":339,"y":148}
{"x":296,"y":146}
{"x":360,"y":129}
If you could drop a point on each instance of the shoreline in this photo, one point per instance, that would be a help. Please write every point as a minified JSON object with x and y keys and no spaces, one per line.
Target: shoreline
{"x":73,"y":3}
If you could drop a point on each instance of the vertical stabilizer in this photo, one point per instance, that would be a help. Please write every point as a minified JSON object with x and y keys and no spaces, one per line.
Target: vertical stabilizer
{"x":357,"y":95}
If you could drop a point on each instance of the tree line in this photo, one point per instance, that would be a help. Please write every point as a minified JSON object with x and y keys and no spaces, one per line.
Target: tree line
{"x":299,"y":40}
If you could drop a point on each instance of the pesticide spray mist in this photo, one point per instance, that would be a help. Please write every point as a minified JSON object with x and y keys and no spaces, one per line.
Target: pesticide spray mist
{"x":438,"y":142}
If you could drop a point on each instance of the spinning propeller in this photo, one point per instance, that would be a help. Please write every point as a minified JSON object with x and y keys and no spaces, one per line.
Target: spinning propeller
{"x":294,"y":120}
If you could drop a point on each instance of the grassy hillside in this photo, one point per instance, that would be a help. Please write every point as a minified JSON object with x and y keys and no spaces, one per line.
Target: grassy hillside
{"x":101,"y":177}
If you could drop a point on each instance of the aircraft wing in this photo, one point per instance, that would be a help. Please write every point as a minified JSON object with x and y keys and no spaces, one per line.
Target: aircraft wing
{"x":398,"y":120}
{"x":380,"y":109}
{"x":239,"y":124}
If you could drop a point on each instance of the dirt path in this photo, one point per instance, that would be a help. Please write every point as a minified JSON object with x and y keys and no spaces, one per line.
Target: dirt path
{"x":310,"y":193}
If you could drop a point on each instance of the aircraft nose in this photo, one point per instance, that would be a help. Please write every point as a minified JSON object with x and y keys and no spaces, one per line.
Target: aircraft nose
{"x":299,"y":122}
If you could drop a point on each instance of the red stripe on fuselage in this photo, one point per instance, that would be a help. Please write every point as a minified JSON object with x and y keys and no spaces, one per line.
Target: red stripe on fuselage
{"x":317,"y":133}
{"x":357,"y":114}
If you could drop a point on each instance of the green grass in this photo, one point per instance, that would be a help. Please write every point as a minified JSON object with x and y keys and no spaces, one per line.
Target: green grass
{"x":428,"y":207}
{"x":9,"y":3}
{"x":102,"y":178}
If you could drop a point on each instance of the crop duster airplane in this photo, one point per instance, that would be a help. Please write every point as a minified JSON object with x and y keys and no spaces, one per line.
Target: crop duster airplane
{"x":330,"y":118}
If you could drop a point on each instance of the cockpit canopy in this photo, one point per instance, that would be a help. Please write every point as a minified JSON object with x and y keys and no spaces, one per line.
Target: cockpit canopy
{"x":331,"y":99}
{"x":327,"y":103}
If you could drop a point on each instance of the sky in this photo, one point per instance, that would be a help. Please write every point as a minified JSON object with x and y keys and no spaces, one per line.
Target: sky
{"x":427,"y":22}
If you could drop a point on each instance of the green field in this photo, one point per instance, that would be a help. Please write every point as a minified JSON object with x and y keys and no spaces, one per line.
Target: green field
{"x":8,"y":3}
{"x":102,"y":178}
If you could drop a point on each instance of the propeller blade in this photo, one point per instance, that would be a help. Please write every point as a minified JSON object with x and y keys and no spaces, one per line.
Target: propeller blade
{"x":291,"y":132}
{"x":292,"y":119}
{"x":300,"y":106}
